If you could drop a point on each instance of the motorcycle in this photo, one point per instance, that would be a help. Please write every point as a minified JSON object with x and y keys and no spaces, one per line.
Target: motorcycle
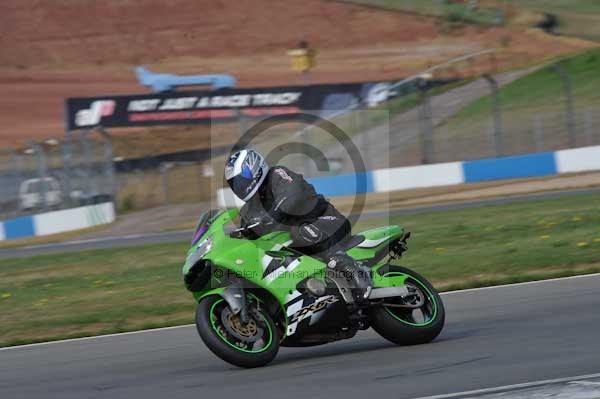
{"x":255,"y":294}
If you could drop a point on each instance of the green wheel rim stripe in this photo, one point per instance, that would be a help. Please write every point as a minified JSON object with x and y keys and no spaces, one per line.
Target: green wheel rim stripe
{"x":429,"y":296}
{"x":224,"y":339}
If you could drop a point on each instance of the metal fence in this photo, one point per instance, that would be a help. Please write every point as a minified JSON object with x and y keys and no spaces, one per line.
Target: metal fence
{"x":440,"y":127}
{"x":57,"y":174}
{"x":422,"y":125}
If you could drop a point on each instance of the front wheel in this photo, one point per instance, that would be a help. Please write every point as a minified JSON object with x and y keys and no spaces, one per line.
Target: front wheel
{"x":415,"y":319}
{"x":253,"y":344}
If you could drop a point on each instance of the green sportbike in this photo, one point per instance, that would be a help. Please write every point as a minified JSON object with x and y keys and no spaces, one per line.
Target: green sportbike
{"x":255,"y":295}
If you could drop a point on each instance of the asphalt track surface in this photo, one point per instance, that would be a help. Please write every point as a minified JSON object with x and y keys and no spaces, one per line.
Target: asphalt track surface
{"x":184,"y":235}
{"x":493,"y":337}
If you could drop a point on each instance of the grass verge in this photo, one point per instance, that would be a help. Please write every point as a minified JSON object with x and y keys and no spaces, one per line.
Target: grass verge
{"x":535,"y":105}
{"x":579,"y":18}
{"x":93,"y":292}
{"x":541,"y":89}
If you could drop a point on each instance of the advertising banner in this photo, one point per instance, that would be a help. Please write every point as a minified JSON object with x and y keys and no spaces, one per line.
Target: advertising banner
{"x":191,"y":107}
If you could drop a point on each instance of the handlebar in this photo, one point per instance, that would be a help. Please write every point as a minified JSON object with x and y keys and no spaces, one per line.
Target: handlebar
{"x":242,"y":231}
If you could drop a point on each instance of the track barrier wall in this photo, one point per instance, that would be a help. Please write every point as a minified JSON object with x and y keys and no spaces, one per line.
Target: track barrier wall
{"x":57,"y":222}
{"x":445,"y":174}
{"x":381,"y":180}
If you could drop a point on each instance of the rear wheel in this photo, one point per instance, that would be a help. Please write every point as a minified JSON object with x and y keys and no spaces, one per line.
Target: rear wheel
{"x":252,"y":344}
{"x":415,"y":319}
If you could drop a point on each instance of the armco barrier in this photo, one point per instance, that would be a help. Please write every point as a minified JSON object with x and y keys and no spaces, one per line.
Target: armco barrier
{"x":57,"y":222}
{"x":446,"y":174}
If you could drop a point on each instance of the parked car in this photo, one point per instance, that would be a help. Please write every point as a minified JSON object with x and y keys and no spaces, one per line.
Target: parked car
{"x":31,"y":191}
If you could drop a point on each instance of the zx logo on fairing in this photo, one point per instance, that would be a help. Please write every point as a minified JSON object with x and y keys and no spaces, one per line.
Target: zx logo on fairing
{"x":92,"y":115}
{"x":313,"y":308}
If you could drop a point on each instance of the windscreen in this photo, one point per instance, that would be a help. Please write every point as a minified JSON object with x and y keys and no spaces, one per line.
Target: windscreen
{"x":203,"y":224}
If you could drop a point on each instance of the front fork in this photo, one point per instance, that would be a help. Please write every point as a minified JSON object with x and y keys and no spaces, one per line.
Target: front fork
{"x":235,"y":296}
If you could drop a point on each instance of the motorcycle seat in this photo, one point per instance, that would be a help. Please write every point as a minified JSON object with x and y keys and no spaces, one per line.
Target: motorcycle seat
{"x":353,"y":242}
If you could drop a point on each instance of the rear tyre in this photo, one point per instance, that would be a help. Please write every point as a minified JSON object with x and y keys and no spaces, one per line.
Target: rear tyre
{"x":420,"y":322}
{"x":254,"y":344}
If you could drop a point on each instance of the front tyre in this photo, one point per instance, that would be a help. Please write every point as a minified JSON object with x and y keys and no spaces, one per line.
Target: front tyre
{"x":253,"y":344}
{"x":416,"y":319}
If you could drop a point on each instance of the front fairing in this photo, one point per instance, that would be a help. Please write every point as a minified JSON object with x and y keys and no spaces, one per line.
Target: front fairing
{"x":259,"y":261}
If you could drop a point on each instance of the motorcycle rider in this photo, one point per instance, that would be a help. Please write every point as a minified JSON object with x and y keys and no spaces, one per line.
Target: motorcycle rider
{"x":278,"y":199}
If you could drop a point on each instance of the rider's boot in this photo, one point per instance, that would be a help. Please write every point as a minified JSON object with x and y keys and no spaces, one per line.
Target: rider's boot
{"x":358,"y":275}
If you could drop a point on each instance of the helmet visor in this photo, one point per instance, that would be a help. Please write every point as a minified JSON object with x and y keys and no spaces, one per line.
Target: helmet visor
{"x":244,"y":187}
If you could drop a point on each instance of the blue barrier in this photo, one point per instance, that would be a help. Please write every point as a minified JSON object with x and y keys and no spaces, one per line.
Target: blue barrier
{"x":346,"y":184}
{"x":19,"y":228}
{"x":42,"y":224}
{"x":514,"y":167}
{"x":530,"y":165}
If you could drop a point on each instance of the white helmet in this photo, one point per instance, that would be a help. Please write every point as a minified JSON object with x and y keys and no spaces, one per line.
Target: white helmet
{"x":245,"y":171}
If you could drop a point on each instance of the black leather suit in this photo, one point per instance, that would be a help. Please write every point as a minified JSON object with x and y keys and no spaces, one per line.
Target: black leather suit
{"x":293,"y":205}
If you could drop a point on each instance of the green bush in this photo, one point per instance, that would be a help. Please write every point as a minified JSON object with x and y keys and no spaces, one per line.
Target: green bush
{"x":128,"y":203}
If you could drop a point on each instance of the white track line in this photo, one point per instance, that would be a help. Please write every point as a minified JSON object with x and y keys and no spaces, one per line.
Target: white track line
{"x":586,"y":383}
{"x":189,"y":325}
{"x":511,"y":387}
{"x":492,"y":287}
{"x":94,"y":337}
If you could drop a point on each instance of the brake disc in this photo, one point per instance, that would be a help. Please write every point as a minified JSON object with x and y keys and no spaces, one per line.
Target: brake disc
{"x":249,"y":332}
